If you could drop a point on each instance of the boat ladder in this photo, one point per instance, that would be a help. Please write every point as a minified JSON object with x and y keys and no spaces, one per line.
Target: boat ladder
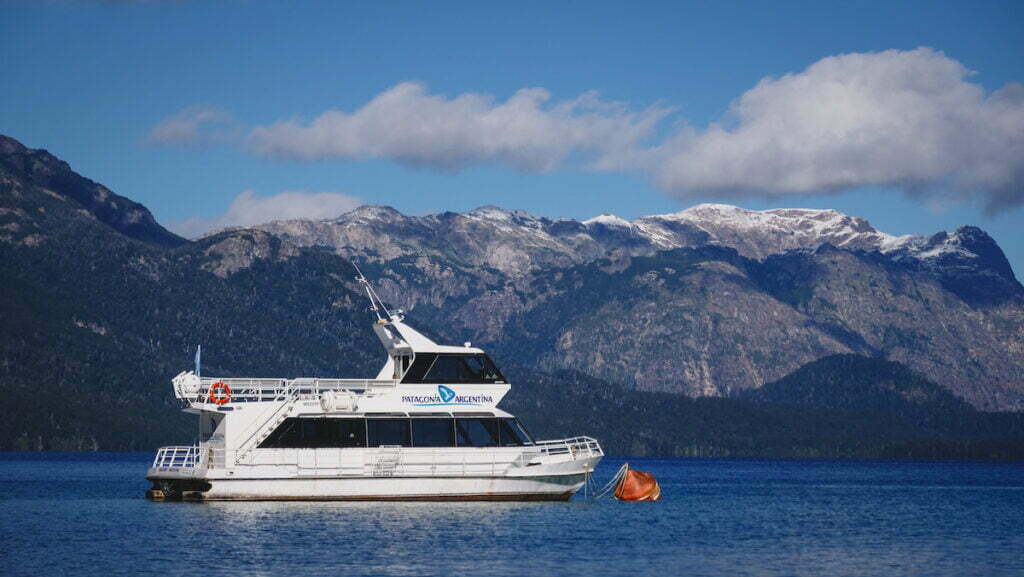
{"x":388,"y":460}
{"x":265,"y":426}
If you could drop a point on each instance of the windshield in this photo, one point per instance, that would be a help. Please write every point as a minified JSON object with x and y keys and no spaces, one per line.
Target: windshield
{"x":431,"y":368}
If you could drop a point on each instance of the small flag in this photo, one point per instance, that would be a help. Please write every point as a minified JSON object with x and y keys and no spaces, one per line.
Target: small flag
{"x":199,"y":352}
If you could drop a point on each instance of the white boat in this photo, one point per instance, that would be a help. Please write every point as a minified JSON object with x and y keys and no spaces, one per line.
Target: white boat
{"x":427,"y":428}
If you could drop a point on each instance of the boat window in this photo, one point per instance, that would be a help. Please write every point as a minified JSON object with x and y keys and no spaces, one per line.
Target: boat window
{"x":453,"y":368}
{"x":513,"y":434}
{"x":433,"y":432}
{"x":419,"y":368}
{"x":479,"y":367}
{"x":286,"y":435}
{"x":446,"y":369}
{"x":388,"y":432}
{"x":351,"y":432}
{"x":316,"y":433}
{"x":477,"y":432}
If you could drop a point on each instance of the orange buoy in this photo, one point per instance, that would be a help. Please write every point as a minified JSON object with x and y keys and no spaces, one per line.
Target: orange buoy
{"x":637,"y":486}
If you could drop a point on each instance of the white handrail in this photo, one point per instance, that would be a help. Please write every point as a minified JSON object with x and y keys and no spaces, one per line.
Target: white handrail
{"x":256,"y":390}
{"x":178,"y":457}
{"x":390,"y":461}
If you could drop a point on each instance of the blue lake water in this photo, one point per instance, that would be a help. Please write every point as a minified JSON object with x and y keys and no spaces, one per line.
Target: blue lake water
{"x":85,"y":514}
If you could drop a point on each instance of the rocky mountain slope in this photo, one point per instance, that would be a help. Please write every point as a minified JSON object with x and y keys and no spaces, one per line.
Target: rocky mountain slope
{"x":25,"y":173}
{"x":703,"y":302}
{"x":101,"y":306}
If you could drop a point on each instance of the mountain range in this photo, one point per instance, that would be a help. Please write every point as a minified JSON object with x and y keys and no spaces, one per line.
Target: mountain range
{"x":721,"y":316}
{"x":703,"y":302}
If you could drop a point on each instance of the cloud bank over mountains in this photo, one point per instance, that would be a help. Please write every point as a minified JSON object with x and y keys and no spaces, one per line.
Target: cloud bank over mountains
{"x":908,"y":120}
{"x":911,"y":120}
{"x":248,"y":209}
{"x":408,"y":125}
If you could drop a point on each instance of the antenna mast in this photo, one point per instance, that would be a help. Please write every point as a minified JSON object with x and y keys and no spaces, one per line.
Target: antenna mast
{"x":376,"y":304}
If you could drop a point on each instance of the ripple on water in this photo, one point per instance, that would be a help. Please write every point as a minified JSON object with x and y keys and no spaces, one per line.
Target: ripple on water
{"x":84,"y":514}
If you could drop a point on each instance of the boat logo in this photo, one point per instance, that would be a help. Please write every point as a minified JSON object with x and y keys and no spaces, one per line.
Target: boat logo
{"x":446,"y":394}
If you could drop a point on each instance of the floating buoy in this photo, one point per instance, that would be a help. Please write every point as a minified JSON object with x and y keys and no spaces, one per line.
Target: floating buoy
{"x":637,"y":486}
{"x":630,"y":485}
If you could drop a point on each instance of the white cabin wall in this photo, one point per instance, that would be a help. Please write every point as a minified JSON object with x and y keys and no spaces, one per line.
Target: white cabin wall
{"x":388,"y":371}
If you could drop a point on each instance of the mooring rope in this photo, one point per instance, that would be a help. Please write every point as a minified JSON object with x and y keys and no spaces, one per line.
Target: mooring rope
{"x":610,"y":486}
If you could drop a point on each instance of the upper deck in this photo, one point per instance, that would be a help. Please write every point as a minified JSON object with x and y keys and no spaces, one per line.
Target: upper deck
{"x":418,"y":375}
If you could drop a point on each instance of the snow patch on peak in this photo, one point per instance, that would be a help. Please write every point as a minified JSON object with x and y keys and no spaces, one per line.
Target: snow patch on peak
{"x":926,"y":248}
{"x":747,"y":218}
{"x":945,"y":249}
{"x":807,"y":221}
{"x":758,"y":233}
{"x":896,"y":243}
{"x":491,"y":212}
{"x":372,"y":212}
{"x":608,"y":220}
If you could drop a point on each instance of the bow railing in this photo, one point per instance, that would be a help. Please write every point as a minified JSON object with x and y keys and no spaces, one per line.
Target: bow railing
{"x":576,"y":446}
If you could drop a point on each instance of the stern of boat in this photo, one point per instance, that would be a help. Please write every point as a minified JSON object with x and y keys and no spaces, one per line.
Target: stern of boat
{"x":179,"y":472}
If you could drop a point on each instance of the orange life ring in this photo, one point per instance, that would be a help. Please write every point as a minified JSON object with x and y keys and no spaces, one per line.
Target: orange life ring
{"x":220,"y":393}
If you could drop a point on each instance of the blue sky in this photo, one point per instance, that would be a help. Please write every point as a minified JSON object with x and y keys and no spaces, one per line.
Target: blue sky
{"x":185,"y":106}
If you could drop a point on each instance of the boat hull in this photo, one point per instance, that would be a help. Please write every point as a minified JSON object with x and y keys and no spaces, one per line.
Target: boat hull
{"x":538,"y":488}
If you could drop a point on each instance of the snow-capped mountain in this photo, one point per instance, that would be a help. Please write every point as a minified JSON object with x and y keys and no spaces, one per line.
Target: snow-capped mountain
{"x":516,"y":242}
{"x":759,"y":233}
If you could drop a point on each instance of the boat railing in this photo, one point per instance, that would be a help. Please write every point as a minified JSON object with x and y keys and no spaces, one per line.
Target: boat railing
{"x":397,"y":461}
{"x":384,"y":461}
{"x":262,"y":390}
{"x":187,"y":458}
{"x":576,"y":446}
{"x":177,"y":459}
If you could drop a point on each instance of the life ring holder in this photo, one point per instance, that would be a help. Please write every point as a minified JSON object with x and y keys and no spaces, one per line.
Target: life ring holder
{"x":220,"y":393}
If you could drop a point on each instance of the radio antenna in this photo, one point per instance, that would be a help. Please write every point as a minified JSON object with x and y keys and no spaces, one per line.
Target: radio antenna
{"x":376,"y":304}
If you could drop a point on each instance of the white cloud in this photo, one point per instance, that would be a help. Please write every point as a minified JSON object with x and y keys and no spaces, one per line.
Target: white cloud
{"x":905,"y":119}
{"x":248,"y":209}
{"x":911,"y":120}
{"x":193,"y":126}
{"x":408,"y":125}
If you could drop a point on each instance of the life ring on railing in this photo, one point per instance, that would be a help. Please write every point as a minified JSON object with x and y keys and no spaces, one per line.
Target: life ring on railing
{"x":220,"y":393}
